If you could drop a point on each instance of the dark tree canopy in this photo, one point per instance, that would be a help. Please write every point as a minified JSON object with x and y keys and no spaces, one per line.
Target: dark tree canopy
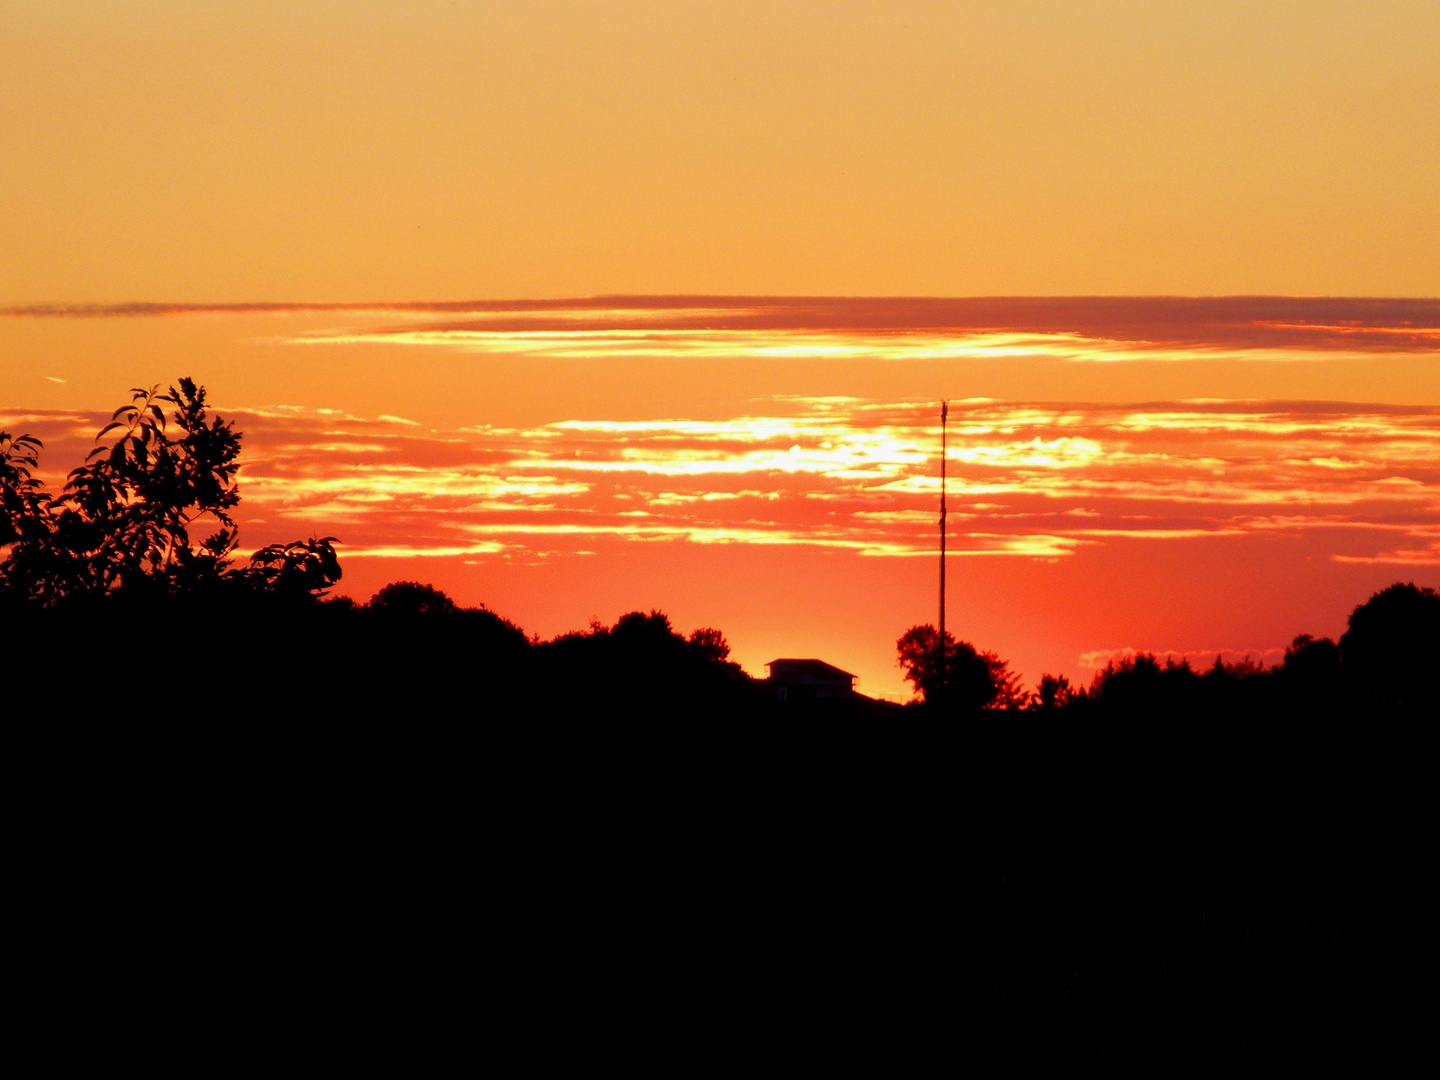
{"x":1392,"y":643}
{"x":964,"y":679}
{"x":411,"y":598}
{"x":1054,"y":692}
{"x":142,"y":535}
{"x":710,"y":643}
{"x":125,"y":519}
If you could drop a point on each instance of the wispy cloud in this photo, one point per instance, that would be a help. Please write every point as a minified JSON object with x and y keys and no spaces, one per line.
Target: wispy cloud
{"x":1073,"y":328}
{"x":1026,"y":480}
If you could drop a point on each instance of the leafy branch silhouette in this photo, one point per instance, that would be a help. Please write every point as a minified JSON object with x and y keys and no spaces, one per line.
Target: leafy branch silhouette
{"x":123,"y":520}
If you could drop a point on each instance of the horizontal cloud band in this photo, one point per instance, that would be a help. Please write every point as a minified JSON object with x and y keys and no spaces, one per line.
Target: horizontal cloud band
{"x":1027,"y":480}
{"x":1087,"y":327}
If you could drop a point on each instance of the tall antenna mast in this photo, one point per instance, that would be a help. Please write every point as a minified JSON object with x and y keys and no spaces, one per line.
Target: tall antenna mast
{"x":944,"y":415}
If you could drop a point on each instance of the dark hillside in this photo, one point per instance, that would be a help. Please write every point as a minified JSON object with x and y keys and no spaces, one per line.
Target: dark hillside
{"x":407,"y":810}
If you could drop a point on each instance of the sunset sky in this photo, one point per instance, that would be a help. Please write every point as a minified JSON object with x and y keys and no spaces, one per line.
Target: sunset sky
{"x":577,"y":308}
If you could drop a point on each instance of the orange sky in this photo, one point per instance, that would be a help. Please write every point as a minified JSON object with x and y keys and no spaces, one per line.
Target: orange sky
{"x":297,"y":204}
{"x":1191,"y":476}
{"x":353,"y":149}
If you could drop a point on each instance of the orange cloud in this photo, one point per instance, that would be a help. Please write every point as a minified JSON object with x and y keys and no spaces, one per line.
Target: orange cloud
{"x":1026,"y":480}
{"x":1093,"y":328}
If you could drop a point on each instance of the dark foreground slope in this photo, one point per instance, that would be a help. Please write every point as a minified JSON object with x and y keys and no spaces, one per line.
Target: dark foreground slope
{"x":402,"y":840}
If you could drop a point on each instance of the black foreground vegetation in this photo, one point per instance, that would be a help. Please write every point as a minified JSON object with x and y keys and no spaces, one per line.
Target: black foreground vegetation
{"x":1166,"y":866}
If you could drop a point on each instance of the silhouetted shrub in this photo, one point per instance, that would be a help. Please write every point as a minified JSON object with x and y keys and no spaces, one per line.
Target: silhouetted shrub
{"x":1390,"y":647}
{"x":410,"y":598}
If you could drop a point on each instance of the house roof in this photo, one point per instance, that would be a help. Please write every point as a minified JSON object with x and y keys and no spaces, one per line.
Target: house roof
{"x":814,"y":668}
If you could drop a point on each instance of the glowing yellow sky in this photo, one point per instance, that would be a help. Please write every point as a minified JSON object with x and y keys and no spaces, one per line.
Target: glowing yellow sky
{"x":1183,"y":476}
{"x":1189,"y":476}
{"x":268,"y":150}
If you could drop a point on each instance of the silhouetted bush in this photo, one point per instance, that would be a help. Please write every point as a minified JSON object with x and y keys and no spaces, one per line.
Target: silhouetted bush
{"x":962,"y":680}
{"x":1391,"y":645}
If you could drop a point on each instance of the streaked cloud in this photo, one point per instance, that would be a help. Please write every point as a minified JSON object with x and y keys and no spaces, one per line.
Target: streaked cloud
{"x":1073,"y":328}
{"x":1026,"y":480}
{"x":1426,"y":556}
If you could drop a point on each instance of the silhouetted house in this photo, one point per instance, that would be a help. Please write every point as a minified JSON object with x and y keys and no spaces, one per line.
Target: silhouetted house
{"x":793,"y":679}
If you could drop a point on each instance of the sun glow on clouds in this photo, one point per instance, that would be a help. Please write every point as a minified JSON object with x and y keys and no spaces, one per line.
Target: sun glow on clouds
{"x":1093,"y":330}
{"x":1025,"y":480}
{"x":1099,"y":516}
{"x":805,"y":344}
{"x":774,"y":344}
{"x":860,"y":476}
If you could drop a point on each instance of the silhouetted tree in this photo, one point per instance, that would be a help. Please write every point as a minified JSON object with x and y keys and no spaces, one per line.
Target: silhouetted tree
{"x":1311,"y":681}
{"x":1310,"y":657}
{"x":124,"y":518}
{"x":961,"y":677}
{"x":22,"y":497}
{"x":1390,"y":647}
{"x":1054,"y":692}
{"x":638,"y":631}
{"x":1141,"y":684}
{"x":411,"y":598}
{"x":299,"y":568}
{"x":642,"y":666}
{"x":1009,"y":691}
{"x":710,"y":644}
{"x":1244,"y":667}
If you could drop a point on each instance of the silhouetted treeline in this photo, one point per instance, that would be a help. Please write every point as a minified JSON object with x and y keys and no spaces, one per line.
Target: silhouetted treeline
{"x":412,"y":648}
{"x":617,"y":840}
{"x":1173,"y":867}
{"x":410,"y":653}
